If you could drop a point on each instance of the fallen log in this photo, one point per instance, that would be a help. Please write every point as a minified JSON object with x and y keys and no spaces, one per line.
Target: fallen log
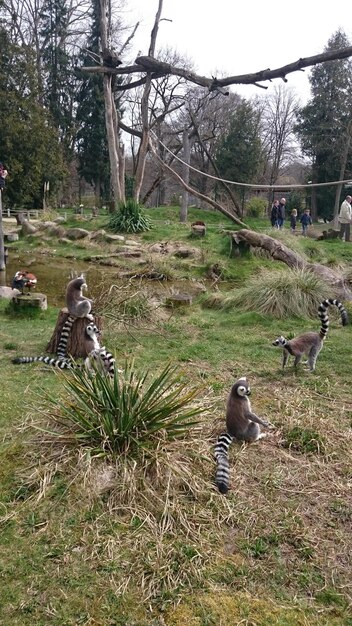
{"x":280,"y":252}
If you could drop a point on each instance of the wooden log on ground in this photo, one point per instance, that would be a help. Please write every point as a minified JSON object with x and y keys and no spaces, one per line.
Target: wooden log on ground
{"x":278,"y":251}
{"x":35,"y":300}
{"x":76,"y":341}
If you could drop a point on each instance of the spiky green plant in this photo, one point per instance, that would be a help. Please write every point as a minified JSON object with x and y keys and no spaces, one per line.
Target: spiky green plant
{"x":280,"y":293}
{"x":129,"y":218}
{"x":130,"y":411}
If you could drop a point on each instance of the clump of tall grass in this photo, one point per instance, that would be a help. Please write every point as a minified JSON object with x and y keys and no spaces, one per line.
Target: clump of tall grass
{"x":126,"y":413}
{"x":280,"y":293}
{"x":129,"y":218}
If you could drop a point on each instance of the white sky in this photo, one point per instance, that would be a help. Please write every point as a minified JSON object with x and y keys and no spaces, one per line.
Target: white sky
{"x":225,"y":37}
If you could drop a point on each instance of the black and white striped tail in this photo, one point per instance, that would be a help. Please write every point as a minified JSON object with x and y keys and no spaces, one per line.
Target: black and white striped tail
{"x":63,"y":341}
{"x":221,"y":453}
{"x":323,"y":315}
{"x":59,"y":363}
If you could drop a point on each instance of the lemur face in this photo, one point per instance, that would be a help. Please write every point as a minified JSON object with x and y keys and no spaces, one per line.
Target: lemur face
{"x":92,"y":329}
{"x":242,"y":388}
{"x":280,"y":341}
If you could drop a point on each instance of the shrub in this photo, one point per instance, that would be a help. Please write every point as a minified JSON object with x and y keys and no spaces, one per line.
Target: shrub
{"x":256,"y":207}
{"x":129,"y":218}
{"x":281,"y":293}
{"x":126,"y":412}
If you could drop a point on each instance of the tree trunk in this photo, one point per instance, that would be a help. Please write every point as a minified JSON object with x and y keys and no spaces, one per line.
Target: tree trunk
{"x":111,"y":117}
{"x":2,"y":244}
{"x":185,"y":174}
{"x":280,"y":252}
{"x":75,"y":344}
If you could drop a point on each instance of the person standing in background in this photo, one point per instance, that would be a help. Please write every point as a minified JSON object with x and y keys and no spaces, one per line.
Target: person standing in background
{"x":293,"y":220}
{"x":281,"y":213}
{"x":306,"y":221}
{"x":274,"y":213}
{"x":345,"y":218}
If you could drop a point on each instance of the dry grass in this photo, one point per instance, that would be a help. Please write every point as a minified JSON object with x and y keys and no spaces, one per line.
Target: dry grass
{"x":280,"y":293}
{"x":164,"y":530}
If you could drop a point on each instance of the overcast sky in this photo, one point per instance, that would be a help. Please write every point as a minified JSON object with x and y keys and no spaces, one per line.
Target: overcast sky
{"x":225,"y":37}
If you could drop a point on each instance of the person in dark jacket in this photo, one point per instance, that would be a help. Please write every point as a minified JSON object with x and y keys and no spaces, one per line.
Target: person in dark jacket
{"x":293,"y":220}
{"x":281,"y":213}
{"x":306,"y":221}
{"x":274,"y":214}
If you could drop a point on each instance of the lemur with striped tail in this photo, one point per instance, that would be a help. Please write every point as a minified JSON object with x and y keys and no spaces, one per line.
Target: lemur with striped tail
{"x":310,"y":343}
{"x":242,"y":424}
{"x":97,"y":355}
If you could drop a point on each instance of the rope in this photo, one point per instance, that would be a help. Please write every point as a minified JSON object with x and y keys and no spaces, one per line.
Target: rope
{"x":252,"y":186}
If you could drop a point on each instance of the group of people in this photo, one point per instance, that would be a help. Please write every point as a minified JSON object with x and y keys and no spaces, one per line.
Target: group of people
{"x":277,"y":217}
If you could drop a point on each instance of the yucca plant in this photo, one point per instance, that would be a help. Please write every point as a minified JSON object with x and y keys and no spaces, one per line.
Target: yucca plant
{"x":129,"y":218}
{"x":130,"y":411}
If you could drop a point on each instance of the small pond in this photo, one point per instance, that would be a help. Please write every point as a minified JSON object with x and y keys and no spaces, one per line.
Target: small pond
{"x":53,"y":274}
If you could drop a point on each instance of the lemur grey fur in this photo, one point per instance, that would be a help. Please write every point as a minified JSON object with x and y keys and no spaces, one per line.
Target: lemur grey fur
{"x":310,"y":343}
{"x":242,"y":424}
{"x":96,"y":354}
{"x":77,"y":304}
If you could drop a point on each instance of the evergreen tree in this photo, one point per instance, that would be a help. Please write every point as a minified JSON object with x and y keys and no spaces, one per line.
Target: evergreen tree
{"x":93,"y":156}
{"x":60,"y":83}
{"x":239,"y":153}
{"x":323,"y":122}
{"x":29,"y":145}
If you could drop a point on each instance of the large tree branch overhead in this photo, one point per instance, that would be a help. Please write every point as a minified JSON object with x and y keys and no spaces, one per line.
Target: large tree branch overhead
{"x":150,"y":64}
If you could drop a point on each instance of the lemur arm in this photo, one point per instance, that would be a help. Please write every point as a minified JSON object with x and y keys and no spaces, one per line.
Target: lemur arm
{"x":254,"y":418}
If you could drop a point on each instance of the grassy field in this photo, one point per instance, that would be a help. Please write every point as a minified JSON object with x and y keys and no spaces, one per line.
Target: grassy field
{"x":99,"y":542}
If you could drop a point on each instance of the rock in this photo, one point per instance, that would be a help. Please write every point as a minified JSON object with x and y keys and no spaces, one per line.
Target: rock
{"x":44,"y":225}
{"x":8,"y":292}
{"x":98,"y":235}
{"x":77,"y":233}
{"x":111,"y":238}
{"x":178,"y":299}
{"x":37,"y":301}
{"x":130,"y":242}
{"x":60,"y":219}
{"x":27,"y":228}
{"x":12,"y":237}
{"x":184,"y":253}
{"x":56,"y":231}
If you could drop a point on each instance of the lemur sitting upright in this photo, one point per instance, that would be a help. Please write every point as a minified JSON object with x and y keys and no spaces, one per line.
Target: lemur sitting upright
{"x":77,"y":304}
{"x":242,"y":424}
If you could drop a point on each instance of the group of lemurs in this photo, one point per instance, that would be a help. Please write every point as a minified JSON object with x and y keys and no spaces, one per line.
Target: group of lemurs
{"x":241,"y":423}
{"x":244,"y":425}
{"x":78,"y":306}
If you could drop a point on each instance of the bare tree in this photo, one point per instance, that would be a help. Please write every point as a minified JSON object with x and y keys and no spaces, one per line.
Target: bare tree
{"x":149,"y":68}
{"x":278,"y":119}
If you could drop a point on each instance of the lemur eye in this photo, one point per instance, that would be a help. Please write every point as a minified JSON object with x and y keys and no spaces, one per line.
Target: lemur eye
{"x":241,"y":390}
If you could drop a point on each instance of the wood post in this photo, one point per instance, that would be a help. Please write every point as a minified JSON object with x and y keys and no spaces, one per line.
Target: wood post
{"x":75,"y":344}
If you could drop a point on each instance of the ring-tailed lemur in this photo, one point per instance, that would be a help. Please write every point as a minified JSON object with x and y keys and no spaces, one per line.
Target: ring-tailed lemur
{"x":97,"y":355}
{"x":310,"y":343}
{"x":77,"y":304}
{"x":242,"y":424}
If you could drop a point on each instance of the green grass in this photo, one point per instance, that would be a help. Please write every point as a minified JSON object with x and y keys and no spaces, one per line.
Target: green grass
{"x":86,"y":541}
